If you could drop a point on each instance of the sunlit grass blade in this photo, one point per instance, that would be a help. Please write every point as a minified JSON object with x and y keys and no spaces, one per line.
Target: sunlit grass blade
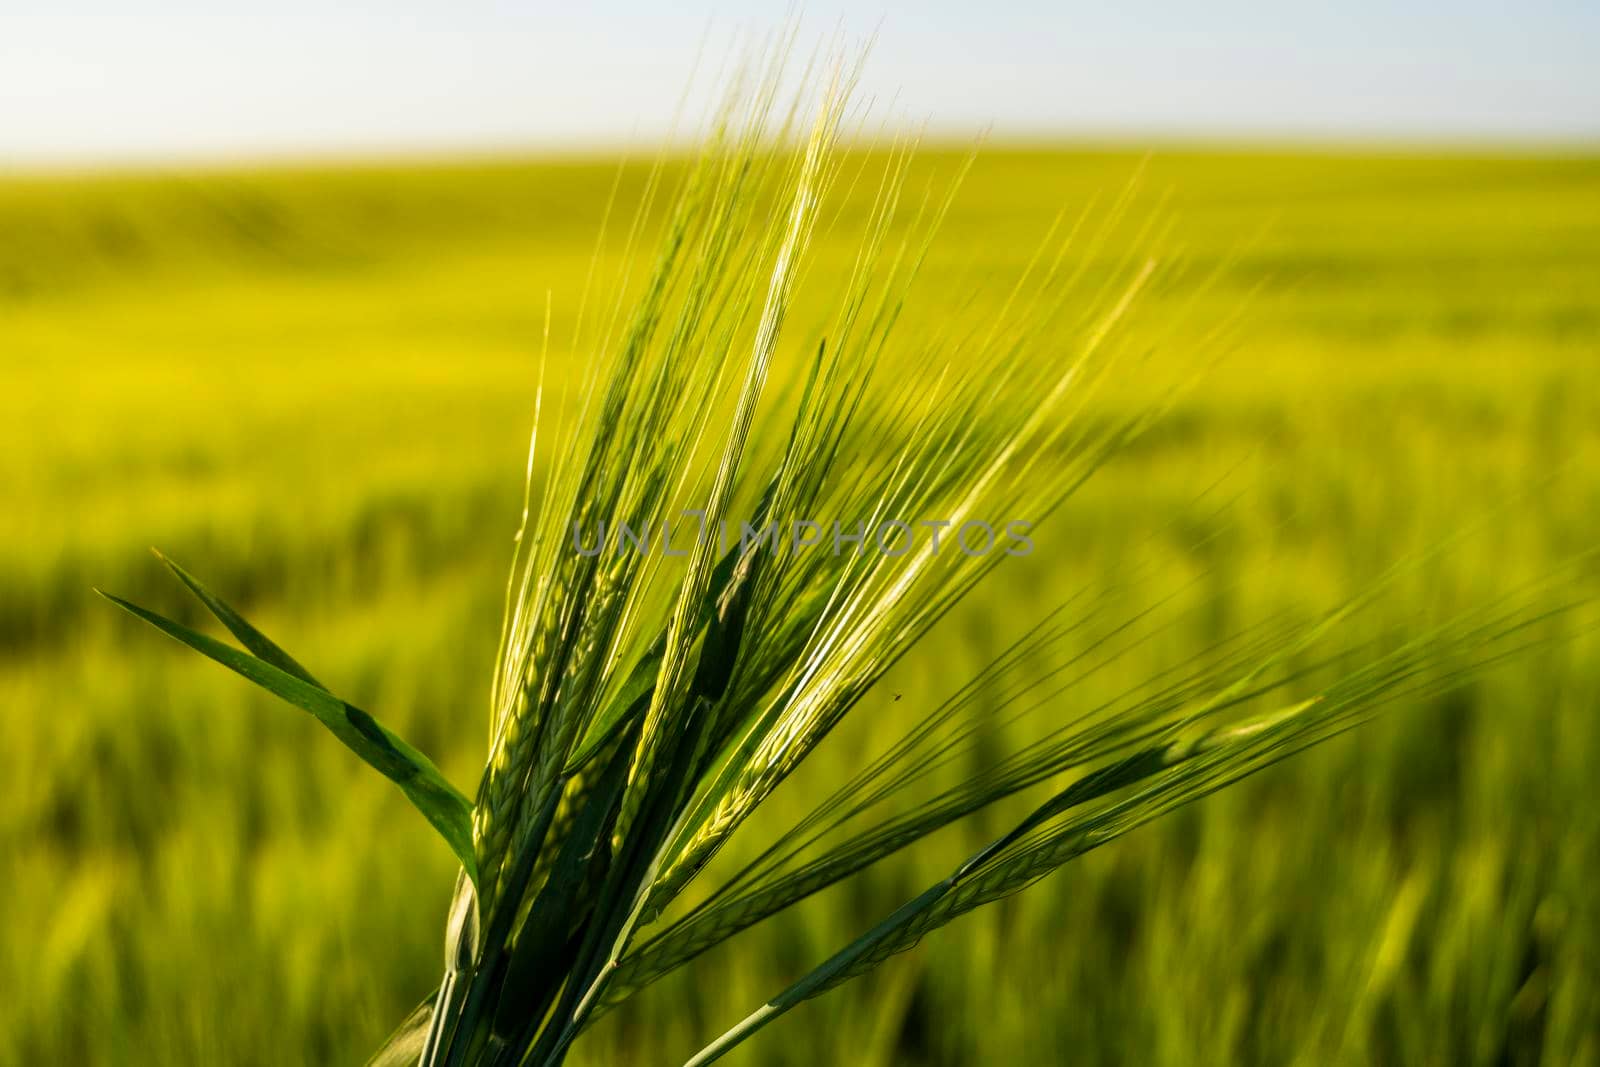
{"x":404,"y":1046}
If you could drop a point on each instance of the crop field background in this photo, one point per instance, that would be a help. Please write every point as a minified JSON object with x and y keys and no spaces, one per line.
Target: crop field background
{"x":313,"y":387}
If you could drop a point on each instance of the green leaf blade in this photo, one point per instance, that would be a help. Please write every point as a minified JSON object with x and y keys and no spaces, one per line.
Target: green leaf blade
{"x":251,"y":638}
{"x":445,"y":808}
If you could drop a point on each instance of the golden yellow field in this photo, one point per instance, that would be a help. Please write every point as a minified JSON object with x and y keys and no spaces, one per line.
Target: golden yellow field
{"x":314,"y":388}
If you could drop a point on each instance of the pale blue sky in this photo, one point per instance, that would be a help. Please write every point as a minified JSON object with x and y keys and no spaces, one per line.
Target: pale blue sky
{"x":86,"y":83}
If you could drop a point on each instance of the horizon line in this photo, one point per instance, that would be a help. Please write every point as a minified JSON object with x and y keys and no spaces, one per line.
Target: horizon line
{"x":1112,"y":141}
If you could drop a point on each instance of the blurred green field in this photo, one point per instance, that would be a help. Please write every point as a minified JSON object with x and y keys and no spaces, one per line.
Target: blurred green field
{"x":313,"y":387}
